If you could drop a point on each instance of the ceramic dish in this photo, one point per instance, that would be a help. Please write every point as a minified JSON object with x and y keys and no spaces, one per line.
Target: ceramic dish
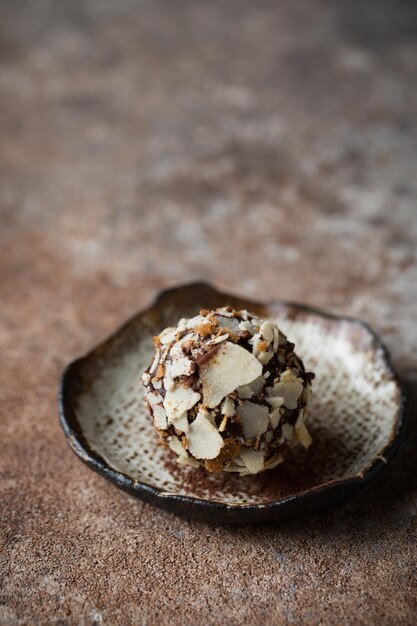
{"x":356,"y":415}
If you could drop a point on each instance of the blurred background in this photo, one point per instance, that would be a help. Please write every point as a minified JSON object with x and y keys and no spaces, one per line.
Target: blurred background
{"x":268,"y":147}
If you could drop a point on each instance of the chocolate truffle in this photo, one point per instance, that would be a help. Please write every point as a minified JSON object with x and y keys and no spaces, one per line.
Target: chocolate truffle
{"x":226,"y":391}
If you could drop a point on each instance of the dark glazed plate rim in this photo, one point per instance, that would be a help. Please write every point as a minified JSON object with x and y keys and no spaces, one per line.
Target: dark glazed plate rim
{"x":313,"y":499}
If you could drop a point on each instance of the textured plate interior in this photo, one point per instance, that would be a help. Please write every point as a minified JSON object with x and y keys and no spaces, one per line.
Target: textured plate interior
{"x":355,"y":415}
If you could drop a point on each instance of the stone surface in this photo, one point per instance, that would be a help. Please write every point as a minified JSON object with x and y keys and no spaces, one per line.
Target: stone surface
{"x":267,"y":147}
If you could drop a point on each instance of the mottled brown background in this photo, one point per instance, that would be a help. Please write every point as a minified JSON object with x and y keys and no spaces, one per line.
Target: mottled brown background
{"x":269,"y":147}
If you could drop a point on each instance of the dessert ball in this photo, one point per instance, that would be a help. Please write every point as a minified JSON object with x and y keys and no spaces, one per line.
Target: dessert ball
{"x":226,"y":391}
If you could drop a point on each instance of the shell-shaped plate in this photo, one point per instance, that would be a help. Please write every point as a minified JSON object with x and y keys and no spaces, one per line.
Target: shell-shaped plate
{"x":355,"y":419}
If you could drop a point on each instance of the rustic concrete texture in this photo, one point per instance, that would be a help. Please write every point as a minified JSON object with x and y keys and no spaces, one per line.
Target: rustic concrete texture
{"x":268,"y":147}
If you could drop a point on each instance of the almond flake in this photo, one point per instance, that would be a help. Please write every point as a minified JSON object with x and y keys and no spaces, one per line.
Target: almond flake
{"x":223,"y":311}
{"x":223,"y":424}
{"x":267,"y":331}
{"x":307,"y":395}
{"x":153,"y":398}
{"x":181,"y":423}
{"x":288,"y":431}
{"x":265,"y":357}
{"x":276,"y":340}
{"x":303,"y":435}
{"x":195,"y":321}
{"x":255,"y":419}
{"x":230,"y":367}
{"x":255,"y":323}
{"x":289,"y":387}
{"x":275,"y":401}
{"x":168,"y":335}
{"x":179,"y":400}
{"x":175,"y":352}
{"x":245,"y":392}
{"x":254,"y":342}
{"x":228,"y":407}
{"x":230,"y":323}
{"x":159,"y":417}
{"x":176,"y":447}
{"x":182,"y":366}
{"x":146,"y":378}
{"x":164,"y":355}
{"x":169,"y":383}
{"x":203,"y":440}
{"x":274,"y":417}
{"x":247,"y":326}
{"x":300,"y":418}
{"x":253,"y":389}
{"x":217,"y":339}
{"x":253,"y":459}
{"x":155,"y":362}
{"x":182,"y":325}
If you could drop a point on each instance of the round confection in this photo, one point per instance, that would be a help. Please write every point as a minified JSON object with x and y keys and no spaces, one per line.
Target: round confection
{"x":226,"y":391}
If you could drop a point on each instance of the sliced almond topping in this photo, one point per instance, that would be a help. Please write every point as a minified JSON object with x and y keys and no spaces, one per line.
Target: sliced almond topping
{"x":153,"y":397}
{"x":300,"y":418}
{"x":265,"y":357}
{"x":195,"y":321}
{"x":164,"y":355}
{"x":159,"y":417}
{"x":230,"y":323}
{"x":181,"y":423}
{"x":253,"y":459}
{"x":275,"y":401}
{"x":254,"y":342}
{"x":179,"y":400}
{"x":181,"y":366}
{"x":230,"y":367}
{"x":267,"y":331}
{"x":289,"y":387}
{"x":307,"y":395}
{"x":182,"y":325}
{"x":169,"y":383}
{"x":303,"y":435}
{"x":225,"y":311}
{"x":204,"y":441}
{"x":245,"y":392}
{"x":176,"y":446}
{"x":255,"y":419}
{"x":253,"y":389}
{"x":288,"y":431}
{"x":228,"y":407}
{"x":274,"y":417}
{"x":223,"y":424}
{"x":210,"y":416}
{"x":146,"y":378}
{"x":155,"y":362}
{"x":247,"y":327}
{"x":276,"y":340}
{"x":218,"y":339}
{"x":168,"y":335}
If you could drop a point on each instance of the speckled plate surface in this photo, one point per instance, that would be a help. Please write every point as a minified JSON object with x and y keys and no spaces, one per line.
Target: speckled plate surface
{"x":356,"y":415}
